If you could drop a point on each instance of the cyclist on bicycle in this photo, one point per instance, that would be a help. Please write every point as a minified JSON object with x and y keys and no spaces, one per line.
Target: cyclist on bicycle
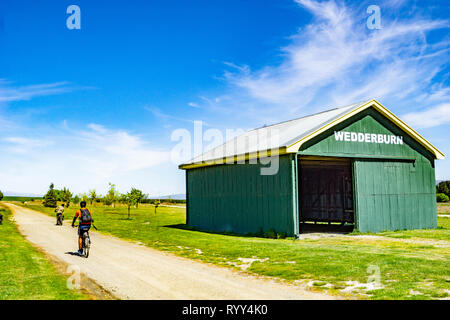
{"x":84,"y":225}
{"x":60,"y":212}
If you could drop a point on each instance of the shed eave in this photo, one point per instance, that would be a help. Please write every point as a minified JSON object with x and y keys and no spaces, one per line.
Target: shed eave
{"x":235,"y":159}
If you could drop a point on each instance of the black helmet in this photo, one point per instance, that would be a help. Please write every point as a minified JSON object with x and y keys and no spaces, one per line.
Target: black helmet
{"x":83,"y":204}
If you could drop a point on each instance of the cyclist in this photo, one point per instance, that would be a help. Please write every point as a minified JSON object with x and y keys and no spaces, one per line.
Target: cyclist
{"x":84,"y":225}
{"x":59,"y":212}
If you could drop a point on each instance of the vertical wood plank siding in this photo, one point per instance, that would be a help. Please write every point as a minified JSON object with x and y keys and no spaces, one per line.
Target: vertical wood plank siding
{"x":390,"y":194}
{"x":395,"y":195}
{"x":236,"y":197}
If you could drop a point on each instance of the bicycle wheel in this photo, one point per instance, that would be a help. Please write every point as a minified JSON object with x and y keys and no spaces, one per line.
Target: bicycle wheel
{"x":86,"y":245}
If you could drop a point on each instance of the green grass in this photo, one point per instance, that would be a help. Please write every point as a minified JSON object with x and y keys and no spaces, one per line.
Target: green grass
{"x":405,"y":267}
{"x":441,"y":233}
{"x":25,"y":273}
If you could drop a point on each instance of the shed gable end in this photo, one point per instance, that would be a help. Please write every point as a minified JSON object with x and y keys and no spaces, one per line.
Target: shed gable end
{"x":366,"y":134}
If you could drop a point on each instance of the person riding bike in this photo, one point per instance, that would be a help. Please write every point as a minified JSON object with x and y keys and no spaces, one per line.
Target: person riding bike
{"x":84,"y":225}
{"x":60,"y":211}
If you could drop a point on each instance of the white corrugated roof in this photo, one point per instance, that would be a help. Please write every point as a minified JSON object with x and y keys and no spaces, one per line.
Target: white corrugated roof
{"x":287,"y":136}
{"x":274,"y":136}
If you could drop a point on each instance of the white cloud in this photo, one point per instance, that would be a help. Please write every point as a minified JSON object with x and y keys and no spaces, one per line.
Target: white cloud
{"x":431,"y":117}
{"x":193,"y":105}
{"x":116,"y":151}
{"x":24,"y":145}
{"x":79,"y":159}
{"x":335,"y":60}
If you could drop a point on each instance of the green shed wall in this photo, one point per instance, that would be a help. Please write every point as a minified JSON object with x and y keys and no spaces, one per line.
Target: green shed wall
{"x":394,"y":184}
{"x":236,"y":197}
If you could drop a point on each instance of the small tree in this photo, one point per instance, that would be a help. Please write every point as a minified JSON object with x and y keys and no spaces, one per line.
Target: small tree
{"x":50,"y":199}
{"x":66,"y":197}
{"x":92,"y":196}
{"x":127,"y":198}
{"x":76,"y":199}
{"x":1,"y":196}
{"x":137,"y":196}
{"x":112,"y":196}
{"x":156,"y":204}
{"x":131,"y":198}
{"x":84,"y":197}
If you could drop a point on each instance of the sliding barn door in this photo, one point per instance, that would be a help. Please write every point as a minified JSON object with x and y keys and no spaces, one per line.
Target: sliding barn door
{"x":394,"y":195}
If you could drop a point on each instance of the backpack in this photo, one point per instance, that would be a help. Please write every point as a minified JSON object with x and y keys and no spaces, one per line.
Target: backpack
{"x":85,"y":216}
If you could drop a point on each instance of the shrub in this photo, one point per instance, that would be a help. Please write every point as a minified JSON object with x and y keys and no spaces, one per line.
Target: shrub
{"x":272,"y":234}
{"x":76,"y":199}
{"x":442,"y":197}
{"x":282,"y":235}
{"x":260,"y":232}
{"x":443,"y":187}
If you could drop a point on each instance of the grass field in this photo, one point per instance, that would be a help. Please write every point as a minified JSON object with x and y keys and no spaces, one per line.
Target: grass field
{"x":413,"y":264}
{"x":25,"y":273}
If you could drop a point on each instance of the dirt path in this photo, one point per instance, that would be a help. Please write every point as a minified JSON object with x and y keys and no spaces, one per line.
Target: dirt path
{"x":131,"y":271}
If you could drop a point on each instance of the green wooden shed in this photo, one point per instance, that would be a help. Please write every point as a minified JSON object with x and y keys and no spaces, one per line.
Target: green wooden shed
{"x":358,"y":166}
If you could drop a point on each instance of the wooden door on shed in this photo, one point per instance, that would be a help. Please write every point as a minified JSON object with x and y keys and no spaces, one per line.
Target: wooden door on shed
{"x":394,"y":195}
{"x":326,"y":191}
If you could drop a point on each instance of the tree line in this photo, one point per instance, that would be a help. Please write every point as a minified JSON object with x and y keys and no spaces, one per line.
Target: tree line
{"x":443,"y":191}
{"x":131,"y":198}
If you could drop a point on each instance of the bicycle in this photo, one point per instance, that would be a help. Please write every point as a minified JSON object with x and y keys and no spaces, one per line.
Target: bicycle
{"x":59,"y":219}
{"x":86,"y":243}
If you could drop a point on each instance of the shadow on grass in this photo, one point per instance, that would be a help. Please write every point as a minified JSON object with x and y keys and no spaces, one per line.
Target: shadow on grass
{"x":184,"y":226}
{"x":305,"y":228}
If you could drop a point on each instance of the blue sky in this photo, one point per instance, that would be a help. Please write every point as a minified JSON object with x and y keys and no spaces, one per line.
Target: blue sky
{"x":81,"y":108}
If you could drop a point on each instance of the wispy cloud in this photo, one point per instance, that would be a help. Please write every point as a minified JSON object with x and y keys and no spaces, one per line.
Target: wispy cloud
{"x":430,"y":117}
{"x":24,"y":145}
{"x":10,"y":92}
{"x":193,"y":105}
{"x":166,"y":116}
{"x":336,"y":60}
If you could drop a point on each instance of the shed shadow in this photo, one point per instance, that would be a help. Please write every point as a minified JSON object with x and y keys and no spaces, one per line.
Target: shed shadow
{"x":326,"y":228}
{"x":184,"y":226}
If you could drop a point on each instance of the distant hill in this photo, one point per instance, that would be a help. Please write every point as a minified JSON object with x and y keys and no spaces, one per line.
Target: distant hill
{"x":22,"y":194}
{"x":180,"y":196}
